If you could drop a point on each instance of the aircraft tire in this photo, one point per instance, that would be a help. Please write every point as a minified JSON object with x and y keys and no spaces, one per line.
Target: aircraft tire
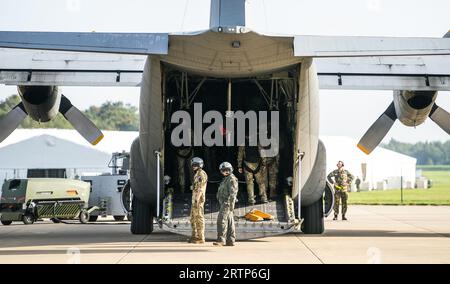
{"x":313,"y":220}
{"x":6,"y":223}
{"x":142,"y":221}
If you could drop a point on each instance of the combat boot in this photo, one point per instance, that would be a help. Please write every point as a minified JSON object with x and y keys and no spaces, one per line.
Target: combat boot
{"x":335,"y":217}
{"x":230,"y":244}
{"x":218,"y":244}
{"x":192,"y":240}
{"x":343,"y":218}
{"x":264,"y":199}
{"x":198,"y":241}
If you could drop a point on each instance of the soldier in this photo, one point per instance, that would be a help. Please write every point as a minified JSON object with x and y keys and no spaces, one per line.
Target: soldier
{"x":272,"y":164}
{"x":198,"y":201}
{"x":168,"y":187}
{"x":253,"y":166}
{"x":342,"y":180}
{"x":168,"y":195}
{"x":357,"y":183}
{"x":226,"y":195}
{"x":184,"y":154}
{"x":288,"y":188}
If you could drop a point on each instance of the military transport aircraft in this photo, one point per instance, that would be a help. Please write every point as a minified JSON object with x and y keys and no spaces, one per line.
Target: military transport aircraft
{"x":226,"y":67}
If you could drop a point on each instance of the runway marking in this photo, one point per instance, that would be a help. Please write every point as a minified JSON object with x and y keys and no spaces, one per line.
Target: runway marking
{"x":312,"y":252}
{"x":131,"y":249}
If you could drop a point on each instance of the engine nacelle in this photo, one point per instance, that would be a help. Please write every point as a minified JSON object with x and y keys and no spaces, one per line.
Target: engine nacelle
{"x":40,"y":102}
{"x":413,"y":107}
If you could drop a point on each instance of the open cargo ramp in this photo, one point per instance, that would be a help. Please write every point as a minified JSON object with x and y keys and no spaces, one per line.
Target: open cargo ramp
{"x":177,"y":216}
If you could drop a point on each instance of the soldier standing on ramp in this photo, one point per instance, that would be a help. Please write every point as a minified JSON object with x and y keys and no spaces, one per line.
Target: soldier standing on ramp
{"x":342,"y":180}
{"x":198,"y":202}
{"x":226,"y":195}
{"x":253,"y":165}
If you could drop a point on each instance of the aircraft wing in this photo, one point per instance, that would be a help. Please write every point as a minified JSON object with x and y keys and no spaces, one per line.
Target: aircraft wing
{"x":43,"y":67}
{"x":349,"y":46}
{"x":89,"y":59}
{"x":379,"y":63}
{"x":415,"y":73}
{"x":127,"y":43}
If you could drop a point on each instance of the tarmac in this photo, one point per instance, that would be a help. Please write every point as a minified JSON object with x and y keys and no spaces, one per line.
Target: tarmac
{"x":373,"y":234}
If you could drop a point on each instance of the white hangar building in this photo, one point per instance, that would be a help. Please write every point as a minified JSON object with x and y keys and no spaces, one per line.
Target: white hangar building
{"x":58,"y":153}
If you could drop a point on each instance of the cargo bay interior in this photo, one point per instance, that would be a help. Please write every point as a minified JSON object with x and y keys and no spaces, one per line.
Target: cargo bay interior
{"x":269,"y":92}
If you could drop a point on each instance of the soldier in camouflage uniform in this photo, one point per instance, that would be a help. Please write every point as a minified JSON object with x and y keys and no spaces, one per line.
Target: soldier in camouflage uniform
{"x":198,"y":202}
{"x":226,"y":195}
{"x":184,"y":154}
{"x":253,"y":166}
{"x":272,"y":166}
{"x":342,"y":181}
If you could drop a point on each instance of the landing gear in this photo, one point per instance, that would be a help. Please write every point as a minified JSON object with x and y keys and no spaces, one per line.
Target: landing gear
{"x":313,"y":222}
{"x":142,"y":221}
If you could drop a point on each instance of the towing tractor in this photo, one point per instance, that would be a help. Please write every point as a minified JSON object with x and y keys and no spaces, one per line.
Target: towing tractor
{"x":28,"y":200}
{"x":111,"y":191}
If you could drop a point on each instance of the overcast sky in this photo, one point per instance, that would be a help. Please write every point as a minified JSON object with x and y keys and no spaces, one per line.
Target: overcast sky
{"x":347,"y":113}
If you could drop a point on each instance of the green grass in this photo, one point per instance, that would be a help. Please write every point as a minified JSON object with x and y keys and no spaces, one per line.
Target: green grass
{"x":439,"y":194}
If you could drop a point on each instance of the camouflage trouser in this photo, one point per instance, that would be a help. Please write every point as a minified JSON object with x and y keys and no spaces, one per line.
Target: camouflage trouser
{"x":260,"y":177}
{"x":338,"y":196}
{"x":181,"y":172}
{"x":225,"y":225}
{"x":272,"y":165}
{"x":198,"y":218}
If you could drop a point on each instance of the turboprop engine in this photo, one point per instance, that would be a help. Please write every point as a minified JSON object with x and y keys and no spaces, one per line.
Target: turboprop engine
{"x":42,"y":104}
{"x":412,"y":108}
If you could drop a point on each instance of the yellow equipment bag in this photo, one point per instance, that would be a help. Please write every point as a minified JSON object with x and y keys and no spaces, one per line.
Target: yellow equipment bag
{"x":261,"y":214}
{"x":252,"y":217}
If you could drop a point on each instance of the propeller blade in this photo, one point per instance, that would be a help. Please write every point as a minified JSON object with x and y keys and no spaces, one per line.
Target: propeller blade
{"x":441,"y":117}
{"x":378,"y":130}
{"x":80,"y":122}
{"x":11,"y":121}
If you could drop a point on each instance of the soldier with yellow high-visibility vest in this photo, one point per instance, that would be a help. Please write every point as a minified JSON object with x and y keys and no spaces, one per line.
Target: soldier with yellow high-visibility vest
{"x":341,"y":179}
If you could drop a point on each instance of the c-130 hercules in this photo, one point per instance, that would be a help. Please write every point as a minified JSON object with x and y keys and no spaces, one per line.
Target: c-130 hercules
{"x":227,"y":67}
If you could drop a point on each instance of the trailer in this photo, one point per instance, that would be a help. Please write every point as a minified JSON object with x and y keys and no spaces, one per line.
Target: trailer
{"x":28,"y":200}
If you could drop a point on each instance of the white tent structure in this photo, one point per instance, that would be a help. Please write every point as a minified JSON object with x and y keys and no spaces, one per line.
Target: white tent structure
{"x":62,"y":149}
{"x":382,"y":169}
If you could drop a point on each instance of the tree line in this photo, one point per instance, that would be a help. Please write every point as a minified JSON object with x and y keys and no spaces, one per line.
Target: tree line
{"x":426,"y":153}
{"x":108,"y":116}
